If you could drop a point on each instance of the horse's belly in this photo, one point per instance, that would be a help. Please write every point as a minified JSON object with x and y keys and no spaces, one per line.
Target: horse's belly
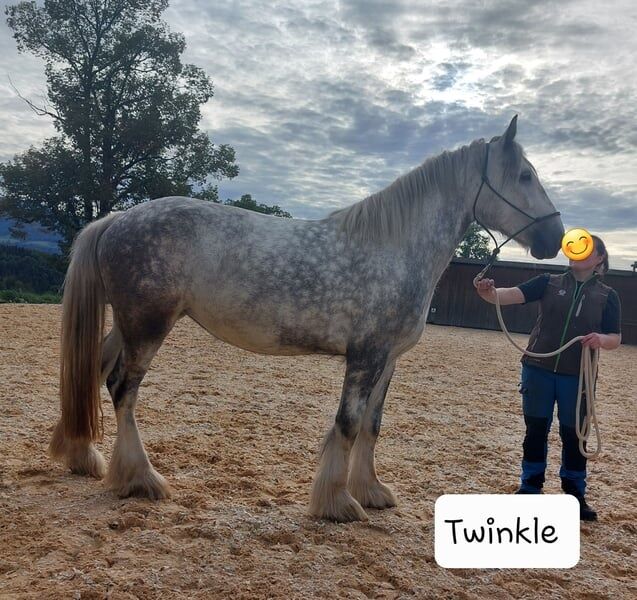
{"x":255,"y":333}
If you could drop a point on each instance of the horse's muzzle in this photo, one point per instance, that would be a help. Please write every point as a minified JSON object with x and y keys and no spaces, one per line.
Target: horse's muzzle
{"x":547,"y":241}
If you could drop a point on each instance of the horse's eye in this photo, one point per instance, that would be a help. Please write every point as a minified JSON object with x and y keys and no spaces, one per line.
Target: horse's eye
{"x":525,"y":176}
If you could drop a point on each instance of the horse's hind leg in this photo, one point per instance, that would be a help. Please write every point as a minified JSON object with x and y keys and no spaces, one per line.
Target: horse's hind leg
{"x":363,"y":482}
{"x":130,"y":472}
{"x":81,"y":456}
{"x":111,"y":349}
{"x":330,"y":498}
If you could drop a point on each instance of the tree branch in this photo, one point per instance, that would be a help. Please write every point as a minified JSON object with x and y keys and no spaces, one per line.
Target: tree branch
{"x":41,"y":112}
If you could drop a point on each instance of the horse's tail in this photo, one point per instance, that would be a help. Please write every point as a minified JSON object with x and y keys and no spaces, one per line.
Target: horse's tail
{"x":83,"y":308}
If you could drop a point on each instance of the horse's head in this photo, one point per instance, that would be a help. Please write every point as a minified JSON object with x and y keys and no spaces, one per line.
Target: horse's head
{"x":510,"y":174}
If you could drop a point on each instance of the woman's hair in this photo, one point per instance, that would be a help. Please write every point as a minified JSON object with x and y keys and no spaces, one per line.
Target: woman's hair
{"x":600,"y":248}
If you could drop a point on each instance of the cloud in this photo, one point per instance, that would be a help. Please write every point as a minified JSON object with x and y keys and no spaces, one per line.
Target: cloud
{"x":593,"y":208}
{"x":19,"y":126}
{"x":326,"y":102}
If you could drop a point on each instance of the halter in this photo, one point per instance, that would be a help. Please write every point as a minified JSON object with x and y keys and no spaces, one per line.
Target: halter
{"x":534,"y":220}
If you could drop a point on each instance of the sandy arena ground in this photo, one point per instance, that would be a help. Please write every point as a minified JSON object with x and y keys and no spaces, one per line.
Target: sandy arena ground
{"x":237,"y":436}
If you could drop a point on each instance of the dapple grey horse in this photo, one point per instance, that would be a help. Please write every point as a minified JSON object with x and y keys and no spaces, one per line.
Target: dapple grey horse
{"x":357,"y":283}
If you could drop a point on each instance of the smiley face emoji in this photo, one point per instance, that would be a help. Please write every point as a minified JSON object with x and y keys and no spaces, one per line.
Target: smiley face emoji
{"x":577,"y":244}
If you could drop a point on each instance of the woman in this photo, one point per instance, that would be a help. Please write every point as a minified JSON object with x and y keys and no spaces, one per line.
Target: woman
{"x":571,"y":304}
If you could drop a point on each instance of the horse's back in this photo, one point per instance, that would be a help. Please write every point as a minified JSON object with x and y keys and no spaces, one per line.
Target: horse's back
{"x":242,"y":275}
{"x":173,"y":231}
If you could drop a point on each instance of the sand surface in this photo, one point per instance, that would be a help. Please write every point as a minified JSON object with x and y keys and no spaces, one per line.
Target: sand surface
{"x":237,"y":436}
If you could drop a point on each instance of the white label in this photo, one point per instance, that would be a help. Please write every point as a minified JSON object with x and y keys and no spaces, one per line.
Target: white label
{"x":539,"y":531}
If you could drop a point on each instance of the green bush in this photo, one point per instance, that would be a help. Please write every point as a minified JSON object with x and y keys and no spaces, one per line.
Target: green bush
{"x":18,"y":297}
{"x":28,"y":276}
{"x":29,"y":273}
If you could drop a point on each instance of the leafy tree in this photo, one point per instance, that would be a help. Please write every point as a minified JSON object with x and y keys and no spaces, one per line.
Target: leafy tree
{"x":474,"y":244}
{"x":30,"y":271}
{"x":126,"y":111}
{"x":248,"y":203}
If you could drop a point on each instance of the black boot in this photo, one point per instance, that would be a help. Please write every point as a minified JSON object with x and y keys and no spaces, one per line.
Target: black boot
{"x":586,"y":513}
{"x":531,"y":484}
{"x":524,"y":491}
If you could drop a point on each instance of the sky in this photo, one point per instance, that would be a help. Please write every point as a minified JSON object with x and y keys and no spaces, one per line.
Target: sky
{"x":326,"y":102}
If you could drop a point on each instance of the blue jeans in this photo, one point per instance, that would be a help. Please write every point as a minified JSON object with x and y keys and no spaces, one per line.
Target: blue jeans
{"x":540,"y":389}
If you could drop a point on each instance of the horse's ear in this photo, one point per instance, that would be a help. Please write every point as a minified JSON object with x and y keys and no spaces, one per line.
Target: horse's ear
{"x":512,"y":129}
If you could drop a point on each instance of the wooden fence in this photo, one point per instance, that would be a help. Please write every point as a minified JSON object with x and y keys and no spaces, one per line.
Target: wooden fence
{"x":456,"y":302}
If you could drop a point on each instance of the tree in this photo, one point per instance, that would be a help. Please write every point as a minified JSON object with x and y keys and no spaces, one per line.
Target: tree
{"x":125,"y":108}
{"x":248,"y":203}
{"x":30,"y":271}
{"x":474,"y":244}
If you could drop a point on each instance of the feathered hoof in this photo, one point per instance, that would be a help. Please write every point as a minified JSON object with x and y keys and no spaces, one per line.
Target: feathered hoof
{"x":83,"y":459}
{"x":340,"y":507}
{"x":80,"y":456}
{"x":376,"y":495}
{"x":145,"y":484}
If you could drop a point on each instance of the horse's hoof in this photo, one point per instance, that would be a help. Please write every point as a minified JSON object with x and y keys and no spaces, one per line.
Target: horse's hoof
{"x":377,"y":495}
{"x":147,"y":484}
{"x":84,"y":459}
{"x":342,"y":508}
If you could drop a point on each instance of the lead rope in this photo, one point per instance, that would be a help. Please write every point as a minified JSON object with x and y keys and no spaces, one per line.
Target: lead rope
{"x":587,"y":375}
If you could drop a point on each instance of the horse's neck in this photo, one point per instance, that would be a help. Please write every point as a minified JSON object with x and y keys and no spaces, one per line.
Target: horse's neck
{"x":449,"y":214}
{"x":426,"y":211}
{"x":437,"y":248}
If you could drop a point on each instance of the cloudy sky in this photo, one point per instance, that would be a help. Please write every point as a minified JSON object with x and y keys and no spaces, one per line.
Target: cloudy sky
{"x":326,"y":102}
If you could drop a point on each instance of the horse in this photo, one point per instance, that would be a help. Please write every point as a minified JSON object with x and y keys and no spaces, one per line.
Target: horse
{"x":356,"y":284}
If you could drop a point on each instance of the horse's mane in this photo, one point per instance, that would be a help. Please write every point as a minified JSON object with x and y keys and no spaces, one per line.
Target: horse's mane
{"x":386,"y":215}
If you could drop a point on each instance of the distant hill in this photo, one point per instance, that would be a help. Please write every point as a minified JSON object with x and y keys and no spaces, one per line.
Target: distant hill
{"x":38,"y":238}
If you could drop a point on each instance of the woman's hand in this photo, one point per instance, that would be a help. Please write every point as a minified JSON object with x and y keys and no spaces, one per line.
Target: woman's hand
{"x":485,"y":289}
{"x":593,"y":341}
{"x":608,"y":341}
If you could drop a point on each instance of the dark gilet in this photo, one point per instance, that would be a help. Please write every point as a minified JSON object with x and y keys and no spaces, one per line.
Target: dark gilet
{"x":563,"y":315}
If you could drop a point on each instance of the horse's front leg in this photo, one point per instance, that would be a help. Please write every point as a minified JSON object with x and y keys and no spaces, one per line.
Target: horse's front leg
{"x":363,"y":482}
{"x":330,"y":498}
